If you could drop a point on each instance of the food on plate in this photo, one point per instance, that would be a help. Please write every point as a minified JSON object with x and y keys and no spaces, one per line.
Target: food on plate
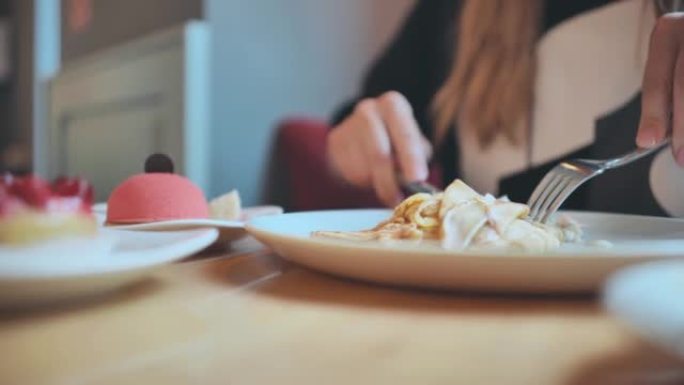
{"x":461,"y":219}
{"x":33,"y":210}
{"x":160,"y":195}
{"x":226,"y":206}
{"x":153,"y":197}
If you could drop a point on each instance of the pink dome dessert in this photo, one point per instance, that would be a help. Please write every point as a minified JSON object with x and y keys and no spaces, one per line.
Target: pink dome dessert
{"x":155,"y":197}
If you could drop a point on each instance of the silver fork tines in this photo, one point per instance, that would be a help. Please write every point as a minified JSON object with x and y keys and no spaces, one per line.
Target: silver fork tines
{"x":565,"y":178}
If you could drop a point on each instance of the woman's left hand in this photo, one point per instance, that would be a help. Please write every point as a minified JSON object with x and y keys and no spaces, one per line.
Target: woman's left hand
{"x":662,"y":99}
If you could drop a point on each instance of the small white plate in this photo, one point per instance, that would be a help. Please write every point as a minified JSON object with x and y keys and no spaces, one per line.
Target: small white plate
{"x":69,"y":269}
{"x":571,"y":268}
{"x":228,"y":230}
{"x":649,"y":299}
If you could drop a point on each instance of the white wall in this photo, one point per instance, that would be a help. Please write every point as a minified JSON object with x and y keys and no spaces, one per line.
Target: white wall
{"x":275,"y":58}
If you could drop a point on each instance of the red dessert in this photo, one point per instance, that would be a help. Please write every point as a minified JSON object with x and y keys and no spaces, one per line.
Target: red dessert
{"x":31,"y":209}
{"x":153,"y":197}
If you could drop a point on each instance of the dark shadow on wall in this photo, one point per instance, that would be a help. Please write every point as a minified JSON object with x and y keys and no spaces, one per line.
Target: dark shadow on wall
{"x":16,"y":88}
{"x":274,"y":183}
{"x":90,"y":25}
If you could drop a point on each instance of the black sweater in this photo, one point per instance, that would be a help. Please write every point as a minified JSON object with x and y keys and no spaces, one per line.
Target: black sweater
{"x":416,"y":63}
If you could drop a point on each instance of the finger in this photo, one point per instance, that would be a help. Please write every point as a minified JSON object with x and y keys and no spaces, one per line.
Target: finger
{"x":678,"y":111}
{"x":384,"y":182}
{"x":378,"y":153}
{"x":357,"y":171}
{"x":406,"y":139}
{"x":427,"y":148}
{"x":335,"y":147}
{"x":346,"y":156}
{"x":656,"y":99}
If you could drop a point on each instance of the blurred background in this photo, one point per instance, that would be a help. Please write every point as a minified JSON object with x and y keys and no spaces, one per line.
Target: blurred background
{"x":91,"y":87}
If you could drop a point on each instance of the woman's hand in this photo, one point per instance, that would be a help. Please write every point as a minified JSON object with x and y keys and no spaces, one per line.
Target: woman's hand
{"x":662,"y":100}
{"x":379,"y":139}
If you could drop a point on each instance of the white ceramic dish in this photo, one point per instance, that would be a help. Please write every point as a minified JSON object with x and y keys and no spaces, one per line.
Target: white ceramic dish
{"x":228,"y":230}
{"x":70,"y":269}
{"x":648,"y":299}
{"x":572,"y":268}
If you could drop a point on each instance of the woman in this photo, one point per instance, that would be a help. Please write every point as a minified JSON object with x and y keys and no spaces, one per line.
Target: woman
{"x":499,"y":91}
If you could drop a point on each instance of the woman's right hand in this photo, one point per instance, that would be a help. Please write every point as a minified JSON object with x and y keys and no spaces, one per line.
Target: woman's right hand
{"x":376,"y":142}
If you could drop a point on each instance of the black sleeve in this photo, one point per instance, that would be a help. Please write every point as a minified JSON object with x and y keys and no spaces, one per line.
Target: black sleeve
{"x":417,"y":60}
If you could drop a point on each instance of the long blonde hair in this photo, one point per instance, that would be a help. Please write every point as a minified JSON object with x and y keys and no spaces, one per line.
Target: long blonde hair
{"x":491,"y":86}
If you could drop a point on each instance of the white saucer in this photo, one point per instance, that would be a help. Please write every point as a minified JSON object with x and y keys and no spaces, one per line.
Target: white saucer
{"x":76,"y":268}
{"x":648,"y":299}
{"x":228,"y":230}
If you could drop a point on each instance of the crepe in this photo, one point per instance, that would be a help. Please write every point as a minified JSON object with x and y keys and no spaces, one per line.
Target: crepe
{"x":461,"y":219}
{"x":227,"y":206}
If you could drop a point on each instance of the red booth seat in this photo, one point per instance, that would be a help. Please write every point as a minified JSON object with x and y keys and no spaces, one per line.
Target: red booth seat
{"x":309,"y":181}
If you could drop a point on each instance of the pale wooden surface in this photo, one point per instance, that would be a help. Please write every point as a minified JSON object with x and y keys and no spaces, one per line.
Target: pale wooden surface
{"x":252,"y":319}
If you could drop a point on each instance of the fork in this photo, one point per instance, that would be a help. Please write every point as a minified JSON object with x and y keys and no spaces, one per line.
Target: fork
{"x":419,"y":187}
{"x":565,"y":178}
{"x":415,"y":187}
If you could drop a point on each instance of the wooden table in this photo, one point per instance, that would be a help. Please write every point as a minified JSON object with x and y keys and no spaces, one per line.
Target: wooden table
{"x":247,"y":317}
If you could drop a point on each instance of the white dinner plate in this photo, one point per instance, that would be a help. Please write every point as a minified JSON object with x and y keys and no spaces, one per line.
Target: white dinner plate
{"x":648,"y":299}
{"x":69,"y":269}
{"x":228,"y":230}
{"x":571,"y":268}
